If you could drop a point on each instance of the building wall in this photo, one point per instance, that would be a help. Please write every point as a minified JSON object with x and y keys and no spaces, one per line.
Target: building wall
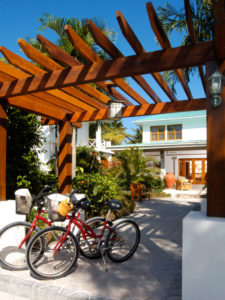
{"x":172,"y":158}
{"x":193,"y":128}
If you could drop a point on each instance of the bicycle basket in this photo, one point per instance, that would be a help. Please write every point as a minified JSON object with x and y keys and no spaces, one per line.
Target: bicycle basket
{"x":23,"y":201}
{"x":53,"y":202}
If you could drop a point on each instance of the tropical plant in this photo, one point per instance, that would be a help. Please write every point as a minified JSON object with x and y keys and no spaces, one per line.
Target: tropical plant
{"x":98,"y":187}
{"x":136,"y":138}
{"x":57,"y":24}
{"x":115,"y":132}
{"x":87,"y":160}
{"x":175,"y":21}
{"x":24,"y":137}
{"x":134,"y":167}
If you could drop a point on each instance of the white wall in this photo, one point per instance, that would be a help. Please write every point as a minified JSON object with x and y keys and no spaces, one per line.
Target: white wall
{"x":203,"y":259}
{"x":83,"y":134}
{"x":193,"y":128}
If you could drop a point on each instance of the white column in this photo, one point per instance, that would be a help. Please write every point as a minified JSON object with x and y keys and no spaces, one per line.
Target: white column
{"x":99,"y":136}
{"x":203,"y":259}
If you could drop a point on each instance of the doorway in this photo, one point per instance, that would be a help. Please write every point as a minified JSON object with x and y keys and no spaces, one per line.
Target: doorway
{"x":195,"y":169}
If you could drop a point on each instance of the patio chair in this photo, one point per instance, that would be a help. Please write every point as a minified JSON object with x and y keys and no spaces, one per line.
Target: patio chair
{"x":138,"y":192}
{"x":182,"y":183}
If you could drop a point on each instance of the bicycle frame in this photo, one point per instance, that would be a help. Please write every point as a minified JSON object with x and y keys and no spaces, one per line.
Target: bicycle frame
{"x":37,"y":217}
{"x":85,"y":230}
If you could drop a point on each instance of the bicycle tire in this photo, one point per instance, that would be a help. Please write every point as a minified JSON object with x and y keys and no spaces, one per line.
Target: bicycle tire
{"x":12,"y":257}
{"x":122,"y":240}
{"x":47,"y":264}
{"x":96,"y":224}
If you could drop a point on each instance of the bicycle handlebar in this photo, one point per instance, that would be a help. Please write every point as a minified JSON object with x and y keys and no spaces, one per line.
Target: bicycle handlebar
{"x":43,"y":192}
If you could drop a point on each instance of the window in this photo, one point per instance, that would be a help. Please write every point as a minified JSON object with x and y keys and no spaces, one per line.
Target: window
{"x":174,"y":132}
{"x":157,"y":133}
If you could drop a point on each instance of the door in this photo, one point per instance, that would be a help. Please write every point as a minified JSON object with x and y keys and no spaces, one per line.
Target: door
{"x":194,"y":169}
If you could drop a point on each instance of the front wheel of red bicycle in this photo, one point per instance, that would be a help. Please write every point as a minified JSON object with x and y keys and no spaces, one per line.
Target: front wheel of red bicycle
{"x":56,"y":259}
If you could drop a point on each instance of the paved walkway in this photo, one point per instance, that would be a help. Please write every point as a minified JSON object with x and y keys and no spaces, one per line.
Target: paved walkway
{"x":154,"y":272}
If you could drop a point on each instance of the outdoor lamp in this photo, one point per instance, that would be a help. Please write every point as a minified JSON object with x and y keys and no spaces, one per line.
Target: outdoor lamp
{"x":115,"y":110}
{"x":216,"y":83}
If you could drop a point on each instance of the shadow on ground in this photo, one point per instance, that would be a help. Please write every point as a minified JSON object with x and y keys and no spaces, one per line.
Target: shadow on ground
{"x":153,"y":273}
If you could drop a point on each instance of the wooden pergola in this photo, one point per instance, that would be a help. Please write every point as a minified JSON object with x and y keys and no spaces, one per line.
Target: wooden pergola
{"x":64,"y":96}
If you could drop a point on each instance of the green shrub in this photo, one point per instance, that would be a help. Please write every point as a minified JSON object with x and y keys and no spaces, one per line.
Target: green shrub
{"x":156,"y":184}
{"x":98,"y":188}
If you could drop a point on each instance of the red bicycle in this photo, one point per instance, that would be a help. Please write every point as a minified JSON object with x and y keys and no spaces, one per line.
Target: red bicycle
{"x":53,"y":251}
{"x":15,"y":236}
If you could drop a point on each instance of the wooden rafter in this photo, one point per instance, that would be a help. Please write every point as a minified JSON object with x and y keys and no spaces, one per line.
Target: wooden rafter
{"x":86,"y":101}
{"x":143,"y":110}
{"x":52,"y":96}
{"x":114,"y":52}
{"x":191,"y":31}
{"x":3,"y":139}
{"x":65,"y":58}
{"x":91,"y":56}
{"x":173,"y":58}
{"x":165,"y":44}
{"x":139,"y":49}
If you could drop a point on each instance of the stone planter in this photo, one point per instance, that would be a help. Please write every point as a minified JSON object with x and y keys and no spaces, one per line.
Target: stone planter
{"x":169,"y":180}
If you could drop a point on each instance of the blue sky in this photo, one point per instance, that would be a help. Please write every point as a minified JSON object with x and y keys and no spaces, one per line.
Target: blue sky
{"x":19,"y":19}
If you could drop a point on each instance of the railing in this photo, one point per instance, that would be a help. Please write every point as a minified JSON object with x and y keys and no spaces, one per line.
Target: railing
{"x":104,"y":144}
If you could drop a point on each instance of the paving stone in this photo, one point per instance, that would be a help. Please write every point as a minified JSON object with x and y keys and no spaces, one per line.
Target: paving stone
{"x":154,"y":272}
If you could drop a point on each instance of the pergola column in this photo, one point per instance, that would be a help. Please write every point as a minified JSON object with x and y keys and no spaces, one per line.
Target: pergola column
{"x":3,"y":140}
{"x":215,"y":154}
{"x":65,"y":157}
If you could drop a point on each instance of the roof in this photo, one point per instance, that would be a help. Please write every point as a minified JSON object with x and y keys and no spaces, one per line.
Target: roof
{"x":162,"y":145}
{"x":171,"y":116}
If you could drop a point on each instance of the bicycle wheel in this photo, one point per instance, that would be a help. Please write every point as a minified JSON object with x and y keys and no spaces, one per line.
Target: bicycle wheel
{"x":122,"y":240}
{"x":89,"y":247}
{"x":12,"y":257}
{"x":52,"y":262}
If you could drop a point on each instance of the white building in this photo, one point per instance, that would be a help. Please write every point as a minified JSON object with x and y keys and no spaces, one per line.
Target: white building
{"x":177,"y":141}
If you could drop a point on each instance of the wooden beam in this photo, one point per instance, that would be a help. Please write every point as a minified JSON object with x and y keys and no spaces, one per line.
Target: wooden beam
{"x":65,"y":157}
{"x":37,"y":106}
{"x":215,"y":154}
{"x":165,"y":44}
{"x":51,"y":65}
{"x":70,"y":61}
{"x":114,"y":52}
{"x":143,"y":110}
{"x":173,"y":58}
{"x":46,"y":121}
{"x":219,"y":17}
{"x":191,"y":31}
{"x":91,"y":56}
{"x":56,"y":97}
{"x":139,"y":49}
{"x":3,"y":139}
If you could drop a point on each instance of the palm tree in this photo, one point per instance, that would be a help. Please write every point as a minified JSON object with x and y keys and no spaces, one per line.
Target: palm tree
{"x":115,"y":132}
{"x":175,"y":21}
{"x":57,"y":24}
{"x":136,"y":138}
{"x":135,"y":167}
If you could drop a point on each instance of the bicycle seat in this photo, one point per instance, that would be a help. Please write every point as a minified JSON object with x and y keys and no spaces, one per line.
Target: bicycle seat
{"x":83,"y":203}
{"x":114,"y":205}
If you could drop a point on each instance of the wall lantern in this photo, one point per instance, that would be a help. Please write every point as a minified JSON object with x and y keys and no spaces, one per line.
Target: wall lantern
{"x":115,"y":110}
{"x":216,"y":83}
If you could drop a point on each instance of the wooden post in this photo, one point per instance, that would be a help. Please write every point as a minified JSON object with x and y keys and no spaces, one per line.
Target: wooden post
{"x":74,"y":152}
{"x":65,"y":157}
{"x":215,"y":154}
{"x":3,"y":140}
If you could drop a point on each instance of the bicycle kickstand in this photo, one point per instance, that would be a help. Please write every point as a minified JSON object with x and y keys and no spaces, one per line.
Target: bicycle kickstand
{"x":104,"y":262}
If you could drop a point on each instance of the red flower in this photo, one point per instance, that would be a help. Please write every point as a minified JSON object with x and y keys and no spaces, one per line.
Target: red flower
{"x":94,"y":153}
{"x":83,"y":182}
